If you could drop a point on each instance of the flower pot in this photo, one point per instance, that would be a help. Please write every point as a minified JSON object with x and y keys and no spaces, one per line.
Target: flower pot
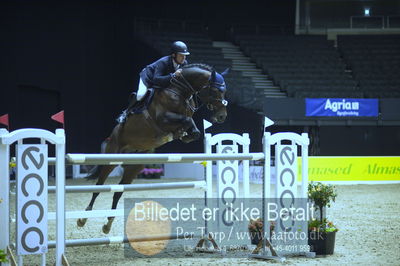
{"x":255,"y":237}
{"x":322,"y":243}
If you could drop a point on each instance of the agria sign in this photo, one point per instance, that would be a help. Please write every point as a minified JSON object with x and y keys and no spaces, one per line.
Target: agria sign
{"x":32,"y":199}
{"x":341,"y":107}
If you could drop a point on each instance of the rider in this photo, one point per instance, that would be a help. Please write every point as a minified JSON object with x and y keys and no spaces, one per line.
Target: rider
{"x":159,"y":74}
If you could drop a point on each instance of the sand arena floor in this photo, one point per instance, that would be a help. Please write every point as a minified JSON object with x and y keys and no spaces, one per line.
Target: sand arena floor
{"x":368,"y":217}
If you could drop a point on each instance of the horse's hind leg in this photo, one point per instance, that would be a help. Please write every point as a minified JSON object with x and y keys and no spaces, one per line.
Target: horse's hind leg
{"x":130,"y":172}
{"x":104,"y":172}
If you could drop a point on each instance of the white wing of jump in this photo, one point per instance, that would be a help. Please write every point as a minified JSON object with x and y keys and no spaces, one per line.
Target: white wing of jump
{"x":206,"y":124}
{"x":267,"y":122}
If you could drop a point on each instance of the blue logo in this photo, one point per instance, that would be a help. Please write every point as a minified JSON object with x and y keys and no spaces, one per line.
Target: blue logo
{"x":341,"y":107}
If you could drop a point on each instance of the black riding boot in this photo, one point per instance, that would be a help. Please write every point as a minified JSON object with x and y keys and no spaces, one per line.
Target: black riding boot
{"x":125,"y":113}
{"x":132,"y":101}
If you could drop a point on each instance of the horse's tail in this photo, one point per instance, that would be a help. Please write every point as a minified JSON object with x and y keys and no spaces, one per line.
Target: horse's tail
{"x":95,"y":171}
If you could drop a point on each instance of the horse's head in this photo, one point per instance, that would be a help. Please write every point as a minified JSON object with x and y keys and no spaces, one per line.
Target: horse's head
{"x":210,"y":87}
{"x":213,"y":96}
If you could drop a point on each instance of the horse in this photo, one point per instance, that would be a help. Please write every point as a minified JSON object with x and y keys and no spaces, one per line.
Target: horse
{"x":168,"y":117}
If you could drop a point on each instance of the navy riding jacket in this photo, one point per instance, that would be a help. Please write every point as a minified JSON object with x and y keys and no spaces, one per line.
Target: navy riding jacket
{"x":159,"y":73}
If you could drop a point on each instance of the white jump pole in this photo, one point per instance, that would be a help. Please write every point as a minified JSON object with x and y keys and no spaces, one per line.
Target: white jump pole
{"x":60,"y":194}
{"x":118,"y":240}
{"x":130,"y":187}
{"x":117,"y":159}
{"x":304,"y":165}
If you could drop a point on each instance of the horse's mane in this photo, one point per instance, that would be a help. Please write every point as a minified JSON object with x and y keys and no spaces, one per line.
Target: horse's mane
{"x":199,"y":65}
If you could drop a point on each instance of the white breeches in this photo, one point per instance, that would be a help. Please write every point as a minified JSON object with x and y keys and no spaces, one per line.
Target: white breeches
{"x":142,"y":89}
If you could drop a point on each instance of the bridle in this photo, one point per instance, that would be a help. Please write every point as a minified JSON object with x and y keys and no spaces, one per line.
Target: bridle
{"x":185,"y":86}
{"x":211,"y":100}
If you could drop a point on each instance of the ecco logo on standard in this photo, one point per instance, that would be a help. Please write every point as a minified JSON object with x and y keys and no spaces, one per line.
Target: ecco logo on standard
{"x":287,"y":182}
{"x":229,"y":193}
{"x":32,"y":206}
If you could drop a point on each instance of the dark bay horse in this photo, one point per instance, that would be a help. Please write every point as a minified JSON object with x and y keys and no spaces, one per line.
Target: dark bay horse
{"x":168,"y":117}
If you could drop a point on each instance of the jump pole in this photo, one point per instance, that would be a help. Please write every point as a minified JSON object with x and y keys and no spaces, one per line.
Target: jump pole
{"x":117,"y":159}
{"x":117,"y":240}
{"x":130,"y":187}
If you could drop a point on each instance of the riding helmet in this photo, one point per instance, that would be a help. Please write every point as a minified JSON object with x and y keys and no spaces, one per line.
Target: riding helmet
{"x":180,"y":47}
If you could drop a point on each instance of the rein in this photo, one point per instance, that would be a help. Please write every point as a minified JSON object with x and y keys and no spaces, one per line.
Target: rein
{"x":185,"y":85}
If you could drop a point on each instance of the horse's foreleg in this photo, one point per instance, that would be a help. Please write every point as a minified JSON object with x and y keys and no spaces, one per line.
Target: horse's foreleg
{"x":193,"y":133}
{"x":130,"y":172}
{"x":104,"y":172}
{"x":185,"y":123}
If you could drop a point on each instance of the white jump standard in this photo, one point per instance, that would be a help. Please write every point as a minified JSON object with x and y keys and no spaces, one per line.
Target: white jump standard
{"x":287,"y":191}
{"x":36,"y":158}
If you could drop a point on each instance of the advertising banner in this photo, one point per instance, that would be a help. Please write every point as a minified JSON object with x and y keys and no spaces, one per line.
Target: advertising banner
{"x":326,"y":168}
{"x":341,"y":107}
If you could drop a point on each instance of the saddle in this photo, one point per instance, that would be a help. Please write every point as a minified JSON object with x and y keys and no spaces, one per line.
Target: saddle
{"x":136,"y":107}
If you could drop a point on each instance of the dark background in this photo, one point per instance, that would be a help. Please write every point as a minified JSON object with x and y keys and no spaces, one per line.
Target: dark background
{"x":83,"y":57}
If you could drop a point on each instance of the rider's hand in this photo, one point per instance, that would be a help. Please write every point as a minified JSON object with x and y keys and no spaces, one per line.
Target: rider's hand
{"x":178,"y":72}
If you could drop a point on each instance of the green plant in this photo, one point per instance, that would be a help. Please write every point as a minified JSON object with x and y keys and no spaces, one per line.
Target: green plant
{"x":322,"y":195}
{"x":3,"y":256}
{"x":322,"y":226}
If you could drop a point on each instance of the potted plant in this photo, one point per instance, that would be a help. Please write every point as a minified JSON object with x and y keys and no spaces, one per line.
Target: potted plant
{"x":256,"y":229}
{"x":321,"y":232}
{"x":3,"y":256}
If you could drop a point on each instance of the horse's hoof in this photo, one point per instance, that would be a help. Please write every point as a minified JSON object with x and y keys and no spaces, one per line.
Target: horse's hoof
{"x":187,"y":139}
{"x":191,"y":137}
{"x":81,"y":222}
{"x":196,"y":135}
{"x":106,"y":229}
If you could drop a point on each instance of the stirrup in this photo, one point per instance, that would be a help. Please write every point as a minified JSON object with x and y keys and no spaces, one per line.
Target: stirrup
{"x":122,"y":117}
{"x":132,"y":100}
